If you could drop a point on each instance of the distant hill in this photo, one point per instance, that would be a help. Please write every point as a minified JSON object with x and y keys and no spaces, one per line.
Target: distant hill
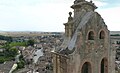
{"x":27,"y":33}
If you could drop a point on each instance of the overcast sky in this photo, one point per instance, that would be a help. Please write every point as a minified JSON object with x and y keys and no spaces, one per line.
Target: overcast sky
{"x":49,"y":15}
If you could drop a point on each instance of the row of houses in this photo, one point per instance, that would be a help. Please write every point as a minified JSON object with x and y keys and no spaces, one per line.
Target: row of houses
{"x":39,"y":56}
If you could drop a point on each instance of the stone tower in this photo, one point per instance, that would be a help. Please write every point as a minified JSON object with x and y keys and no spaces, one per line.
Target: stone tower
{"x":86,"y":46}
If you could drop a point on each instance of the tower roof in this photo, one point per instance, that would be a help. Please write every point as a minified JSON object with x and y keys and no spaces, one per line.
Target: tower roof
{"x":80,"y":3}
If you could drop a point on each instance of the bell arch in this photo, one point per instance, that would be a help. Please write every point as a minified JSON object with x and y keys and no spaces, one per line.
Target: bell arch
{"x":102,"y":35}
{"x":91,"y":35}
{"x":86,"y":68}
{"x":104,"y":66}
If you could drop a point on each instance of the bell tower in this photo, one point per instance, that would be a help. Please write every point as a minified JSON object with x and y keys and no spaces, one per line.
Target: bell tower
{"x":86,"y":46}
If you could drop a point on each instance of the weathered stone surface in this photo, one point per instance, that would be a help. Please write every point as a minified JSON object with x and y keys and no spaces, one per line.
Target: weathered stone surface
{"x":86,"y":48}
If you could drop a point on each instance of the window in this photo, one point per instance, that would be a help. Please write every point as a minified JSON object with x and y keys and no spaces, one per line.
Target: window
{"x":91,"y":35}
{"x":102,"y":35}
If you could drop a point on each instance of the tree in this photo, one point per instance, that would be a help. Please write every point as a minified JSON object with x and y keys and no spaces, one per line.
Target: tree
{"x":20,"y":64}
{"x":13,"y":52}
{"x":30,"y":42}
{"x":2,"y":60}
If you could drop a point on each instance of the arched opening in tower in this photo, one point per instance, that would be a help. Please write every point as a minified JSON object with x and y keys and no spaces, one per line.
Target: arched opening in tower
{"x":86,"y":68}
{"x":91,"y":35}
{"x":102,"y":35}
{"x":104,"y":66}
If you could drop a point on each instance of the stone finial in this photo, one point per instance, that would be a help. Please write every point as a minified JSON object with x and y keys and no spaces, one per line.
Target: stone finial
{"x":70,"y":13}
{"x":91,"y":1}
{"x":70,"y":16}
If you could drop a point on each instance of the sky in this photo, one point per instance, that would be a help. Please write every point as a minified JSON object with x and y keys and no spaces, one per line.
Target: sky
{"x":49,"y":15}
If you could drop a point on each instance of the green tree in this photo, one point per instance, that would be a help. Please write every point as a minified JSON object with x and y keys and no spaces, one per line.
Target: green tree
{"x":30,"y":42}
{"x":7,"y":38}
{"x":2,"y":60}
{"x":20,"y":64}
{"x":13,"y":52}
{"x":17,"y":44}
